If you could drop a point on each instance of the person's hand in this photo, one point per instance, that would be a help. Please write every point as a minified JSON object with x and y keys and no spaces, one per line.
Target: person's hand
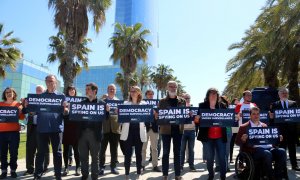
{"x":116,"y":111}
{"x":155,"y":115}
{"x":66,"y":106}
{"x":281,"y":138}
{"x":107,"y":108}
{"x":271,"y":115}
{"x":191,"y":113}
{"x":197,"y":119}
{"x":237,"y":117}
{"x":25,"y":104}
{"x":244,"y":138}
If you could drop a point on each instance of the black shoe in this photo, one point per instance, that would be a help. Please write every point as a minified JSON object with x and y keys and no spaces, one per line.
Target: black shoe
{"x":28,"y":172}
{"x":114,"y":171}
{"x":77,"y":171}
{"x":156,"y":169}
{"x":296,"y":168}
{"x":13,"y":174}
{"x":70,"y":162}
{"x":217,"y":169}
{"x":45,"y":170}
{"x":192,"y":169}
{"x":101,"y":172}
{"x":66,"y":172}
{"x":3,"y":175}
{"x":210,"y":178}
{"x":37,"y":177}
{"x":85,"y":177}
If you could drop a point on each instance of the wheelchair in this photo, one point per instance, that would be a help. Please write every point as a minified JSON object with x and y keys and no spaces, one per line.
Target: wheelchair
{"x":248,"y":169}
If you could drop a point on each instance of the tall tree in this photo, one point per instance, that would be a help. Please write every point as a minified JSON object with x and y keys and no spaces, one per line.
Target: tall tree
{"x":161,"y":76}
{"x":129,"y":46}
{"x":9,"y":54}
{"x":144,"y":75}
{"x":71,"y":18}
{"x":58,"y":47}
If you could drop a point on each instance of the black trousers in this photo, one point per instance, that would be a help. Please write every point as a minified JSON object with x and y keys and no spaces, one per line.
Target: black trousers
{"x":31,"y":148}
{"x":113,"y":140}
{"x":66,"y":154}
{"x":43,"y":141}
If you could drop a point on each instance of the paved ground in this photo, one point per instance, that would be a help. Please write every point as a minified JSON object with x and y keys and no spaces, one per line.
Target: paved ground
{"x":201,"y":172}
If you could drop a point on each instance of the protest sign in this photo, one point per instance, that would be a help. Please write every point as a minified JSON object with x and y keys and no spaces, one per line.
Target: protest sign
{"x":263,"y":116}
{"x":87,"y":111}
{"x":263,"y":135}
{"x":217,"y":117}
{"x":153,"y":102}
{"x":9,"y":114}
{"x":174,"y":115}
{"x":113,"y":104}
{"x":45,"y":103}
{"x":135,"y":113}
{"x":287,"y":115}
{"x":75,"y":99}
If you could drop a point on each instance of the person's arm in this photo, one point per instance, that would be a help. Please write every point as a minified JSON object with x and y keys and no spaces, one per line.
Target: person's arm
{"x":241,"y":137}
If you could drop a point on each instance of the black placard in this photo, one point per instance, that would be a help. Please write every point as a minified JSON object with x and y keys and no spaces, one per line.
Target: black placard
{"x":153,"y":102}
{"x":75,"y":99}
{"x":135,"y":113}
{"x":113,"y":104}
{"x":45,"y":103}
{"x":174,"y":115}
{"x":263,"y":135}
{"x":9,"y":114}
{"x":217,"y":117}
{"x":287,"y":115}
{"x":87,"y":112}
{"x":263,"y":116}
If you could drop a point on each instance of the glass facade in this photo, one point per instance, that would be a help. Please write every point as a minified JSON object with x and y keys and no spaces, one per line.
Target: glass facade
{"x":101,"y":75}
{"x":130,"y":12}
{"x":25,"y":78}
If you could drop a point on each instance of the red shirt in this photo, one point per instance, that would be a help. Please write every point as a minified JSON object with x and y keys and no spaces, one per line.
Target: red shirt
{"x":5,"y":127}
{"x":214,"y":132}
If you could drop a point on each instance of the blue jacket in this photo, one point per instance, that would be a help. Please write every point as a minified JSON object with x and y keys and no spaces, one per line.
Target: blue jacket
{"x":50,"y":122}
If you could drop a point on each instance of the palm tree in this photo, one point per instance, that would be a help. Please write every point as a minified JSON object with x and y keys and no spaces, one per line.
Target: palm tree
{"x":71,"y":18}
{"x":58,"y":47}
{"x":161,"y":76}
{"x":180,"y":87}
{"x":129,"y":45}
{"x":145,"y":76}
{"x":9,"y":54}
{"x":120,"y":79}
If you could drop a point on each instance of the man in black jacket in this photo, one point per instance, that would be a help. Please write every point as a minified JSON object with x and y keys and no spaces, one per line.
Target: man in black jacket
{"x":90,"y":134}
{"x":288,"y":130}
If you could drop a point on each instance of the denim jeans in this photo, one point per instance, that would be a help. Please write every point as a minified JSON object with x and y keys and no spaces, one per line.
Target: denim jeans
{"x":166,"y":140}
{"x":267,"y":155}
{"x":188,"y":137}
{"x":218,"y":146}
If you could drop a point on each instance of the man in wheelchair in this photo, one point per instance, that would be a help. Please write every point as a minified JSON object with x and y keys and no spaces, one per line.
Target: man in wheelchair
{"x":264,"y":154}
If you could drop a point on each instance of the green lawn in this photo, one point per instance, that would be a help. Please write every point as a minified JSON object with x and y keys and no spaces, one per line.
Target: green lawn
{"x":22,"y":146}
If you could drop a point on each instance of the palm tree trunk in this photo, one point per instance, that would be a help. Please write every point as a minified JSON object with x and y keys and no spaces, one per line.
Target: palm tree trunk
{"x":270,"y":74}
{"x":127,"y":76}
{"x":293,"y":77}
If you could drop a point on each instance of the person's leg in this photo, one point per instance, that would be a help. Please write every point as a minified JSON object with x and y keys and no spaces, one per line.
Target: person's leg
{"x":66,"y":151}
{"x":94,"y":149}
{"x":264,"y":155}
{"x":232,"y":141}
{"x":128,"y":152}
{"x":83,"y":148}
{"x":4,"y":151}
{"x":13,"y":150}
{"x":56,"y":140}
{"x":183,"y":147}
{"x":209,"y":146}
{"x":144,"y":149}
{"x":176,"y":150}
{"x":191,"y":145}
{"x":114,"y":141}
{"x":166,"y":140}
{"x":154,"y":152}
{"x":31,"y":147}
{"x":76,"y":155}
{"x":47,"y":156}
{"x":70,"y":158}
{"x":221,"y":153}
{"x":138,"y":155}
{"x":279,"y":156}
{"x":43,"y":141}
{"x":292,"y":152}
{"x":104,"y":143}
{"x":159,"y":145}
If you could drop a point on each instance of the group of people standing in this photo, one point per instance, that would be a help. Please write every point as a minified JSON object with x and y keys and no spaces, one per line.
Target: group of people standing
{"x":90,"y":138}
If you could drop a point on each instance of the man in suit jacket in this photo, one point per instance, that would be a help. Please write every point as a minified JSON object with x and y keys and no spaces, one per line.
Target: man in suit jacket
{"x":265,"y":153}
{"x":288,"y":130}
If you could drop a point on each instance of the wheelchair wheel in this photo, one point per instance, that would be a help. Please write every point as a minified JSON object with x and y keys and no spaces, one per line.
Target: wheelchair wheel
{"x":244,"y":166}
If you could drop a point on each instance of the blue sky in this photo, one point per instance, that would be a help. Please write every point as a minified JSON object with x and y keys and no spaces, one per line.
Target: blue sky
{"x":194,"y":36}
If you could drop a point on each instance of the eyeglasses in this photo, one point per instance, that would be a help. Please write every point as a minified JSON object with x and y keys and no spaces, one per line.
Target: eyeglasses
{"x":132,"y":91}
{"x":8,"y":92}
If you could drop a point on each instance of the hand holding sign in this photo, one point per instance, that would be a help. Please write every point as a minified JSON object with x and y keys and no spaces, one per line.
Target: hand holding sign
{"x":244,"y":138}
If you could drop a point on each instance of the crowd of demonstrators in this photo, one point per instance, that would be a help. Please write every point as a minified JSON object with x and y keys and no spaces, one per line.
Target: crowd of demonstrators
{"x":91,"y":138}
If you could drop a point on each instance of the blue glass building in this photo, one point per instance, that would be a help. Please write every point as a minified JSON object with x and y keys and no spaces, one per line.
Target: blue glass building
{"x":25,"y":78}
{"x":130,"y":12}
